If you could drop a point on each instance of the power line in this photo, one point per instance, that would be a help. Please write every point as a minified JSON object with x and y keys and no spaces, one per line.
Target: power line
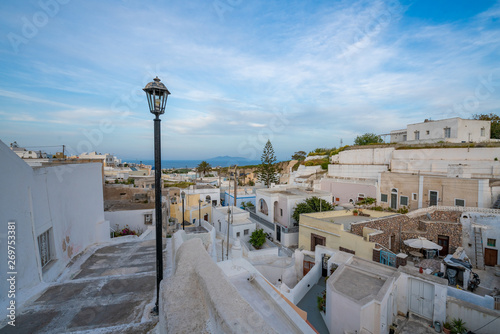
{"x":486,"y":324}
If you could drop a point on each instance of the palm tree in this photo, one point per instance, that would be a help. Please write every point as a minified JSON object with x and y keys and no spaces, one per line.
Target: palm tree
{"x":203,"y":168}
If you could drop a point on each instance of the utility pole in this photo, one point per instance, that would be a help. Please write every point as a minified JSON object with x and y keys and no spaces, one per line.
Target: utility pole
{"x":199,"y":212}
{"x":218,"y":172}
{"x":228,"y":220}
{"x":235,"y":184}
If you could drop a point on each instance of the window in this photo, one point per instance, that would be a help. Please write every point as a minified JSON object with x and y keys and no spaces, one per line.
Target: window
{"x":491,"y":242}
{"x":404,"y":137}
{"x":403,"y":200}
{"x":237,"y":234}
{"x":281,"y":212}
{"x":483,"y":132}
{"x":427,"y":132}
{"x":219,"y":226}
{"x":414,"y":196}
{"x":447,"y":132}
{"x":245,"y":232}
{"x":383,"y":198}
{"x":417,"y":135}
{"x":44,"y":247}
{"x":148,"y":219}
{"x":459,"y":202}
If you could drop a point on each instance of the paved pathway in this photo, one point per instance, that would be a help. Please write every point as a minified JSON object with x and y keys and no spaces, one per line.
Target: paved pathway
{"x":309,"y":303}
{"x":109,"y":293}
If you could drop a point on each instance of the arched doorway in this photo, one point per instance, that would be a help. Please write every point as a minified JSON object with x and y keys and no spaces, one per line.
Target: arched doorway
{"x":263,"y":207}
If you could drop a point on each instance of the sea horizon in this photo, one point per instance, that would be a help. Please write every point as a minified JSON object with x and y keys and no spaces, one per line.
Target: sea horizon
{"x":165,"y":164}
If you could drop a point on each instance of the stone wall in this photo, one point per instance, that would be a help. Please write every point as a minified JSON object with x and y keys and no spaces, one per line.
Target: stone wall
{"x":401,"y":226}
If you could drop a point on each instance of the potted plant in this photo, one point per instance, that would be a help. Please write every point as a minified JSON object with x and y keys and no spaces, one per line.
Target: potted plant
{"x":458,"y":326}
{"x":447,"y":328}
{"x":355,"y":212}
{"x":322,"y":302}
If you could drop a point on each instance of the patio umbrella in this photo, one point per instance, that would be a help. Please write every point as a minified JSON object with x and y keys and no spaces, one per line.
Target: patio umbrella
{"x":422,"y":243}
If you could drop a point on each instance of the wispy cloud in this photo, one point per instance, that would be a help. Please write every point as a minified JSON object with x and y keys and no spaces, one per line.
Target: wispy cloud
{"x":332,"y":69}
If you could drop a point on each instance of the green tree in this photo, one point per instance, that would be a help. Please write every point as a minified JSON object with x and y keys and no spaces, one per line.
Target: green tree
{"x":203,"y":168}
{"x":495,"y":123}
{"x":312,"y":204}
{"x":258,"y":238}
{"x":368,"y":138}
{"x":299,"y":155}
{"x":267,"y":171}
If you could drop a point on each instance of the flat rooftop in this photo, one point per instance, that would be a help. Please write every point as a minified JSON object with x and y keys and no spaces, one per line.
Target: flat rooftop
{"x":358,"y":284}
{"x":347,"y":218}
{"x":299,"y":192}
{"x":361,"y":279}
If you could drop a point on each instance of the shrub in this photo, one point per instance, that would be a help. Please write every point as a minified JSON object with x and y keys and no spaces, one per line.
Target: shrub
{"x":403,"y":210}
{"x":368,"y":200}
{"x":125,"y":231}
{"x":258,"y":238}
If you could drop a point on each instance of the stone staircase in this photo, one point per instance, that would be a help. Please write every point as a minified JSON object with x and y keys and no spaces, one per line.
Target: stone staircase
{"x":497,"y":203}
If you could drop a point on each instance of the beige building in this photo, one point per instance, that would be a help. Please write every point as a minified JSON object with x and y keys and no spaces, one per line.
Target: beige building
{"x":415,"y":191}
{"x":193,"y":206}
{"x":331,"y":229}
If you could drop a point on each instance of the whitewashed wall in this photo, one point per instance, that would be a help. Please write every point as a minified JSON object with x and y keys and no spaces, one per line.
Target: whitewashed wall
{"x":356,"y":171}
{"x":133,"y":218}
{"x":365,"y":156}
{"x":474,"y":316}
{"x":489,"y":224}
{"x":16,"y":202}
{"x":66,"y":199}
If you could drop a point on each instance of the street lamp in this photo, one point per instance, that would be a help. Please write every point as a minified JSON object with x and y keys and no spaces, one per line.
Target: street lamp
{"x":157,"y":94}
{"x":183,"y":195}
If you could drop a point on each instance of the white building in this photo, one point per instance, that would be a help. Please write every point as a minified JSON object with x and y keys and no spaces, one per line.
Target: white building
{"x":453,"y":173}
{"x":365,"y":297}
{"x":106,"y":158}
{"x":56,"y":213}
{"x":451,"y":130}
{"x":207,"y":193}
{"x":276,"y":206}
{"x":240,"y":224}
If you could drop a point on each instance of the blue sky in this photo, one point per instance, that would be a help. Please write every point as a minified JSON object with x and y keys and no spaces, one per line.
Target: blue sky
{"x":304,"y":74}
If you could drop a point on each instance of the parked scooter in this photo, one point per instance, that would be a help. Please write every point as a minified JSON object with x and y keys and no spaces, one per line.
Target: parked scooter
{"x":474,"y":281}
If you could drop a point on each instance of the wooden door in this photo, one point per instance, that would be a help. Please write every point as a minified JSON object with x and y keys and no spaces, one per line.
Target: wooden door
{"x":443,"y":241}
{"x":317,"y":240}
{"x":393,"y":243}
{"x":433,"y":198}
{"x":394,"y":201}
{"x":490,"y":257}
{"x":307,"y":266}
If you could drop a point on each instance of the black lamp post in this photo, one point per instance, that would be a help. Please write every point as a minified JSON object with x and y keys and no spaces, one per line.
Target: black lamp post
{"x":157,"y":94}
{"x":183,"y":195}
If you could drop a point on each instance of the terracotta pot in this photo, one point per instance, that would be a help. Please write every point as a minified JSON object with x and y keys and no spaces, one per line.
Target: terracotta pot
{"x":446,"y":330}
{"x":355,"y":213}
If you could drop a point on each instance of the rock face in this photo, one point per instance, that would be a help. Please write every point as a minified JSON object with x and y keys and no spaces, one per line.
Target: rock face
{"x":198,"y":298}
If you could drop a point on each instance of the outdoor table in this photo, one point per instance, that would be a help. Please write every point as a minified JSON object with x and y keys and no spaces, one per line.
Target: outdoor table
{"x":416,"y":256}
